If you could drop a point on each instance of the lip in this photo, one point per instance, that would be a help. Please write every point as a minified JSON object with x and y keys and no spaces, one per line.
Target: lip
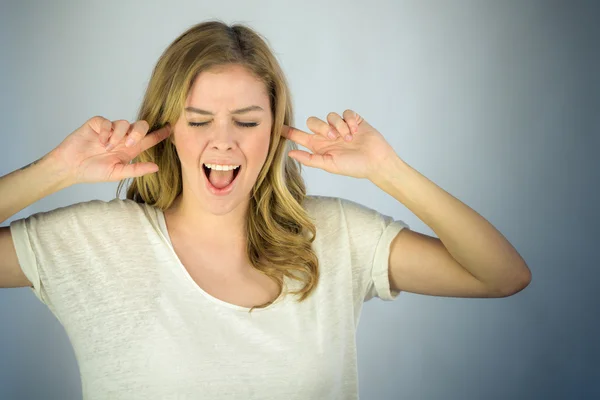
{"x":221,"y":162}
{"x":224,"y":191}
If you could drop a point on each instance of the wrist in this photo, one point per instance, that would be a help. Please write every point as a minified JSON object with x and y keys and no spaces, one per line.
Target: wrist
{"x":389,"y":169}
{"x":57,"y":170}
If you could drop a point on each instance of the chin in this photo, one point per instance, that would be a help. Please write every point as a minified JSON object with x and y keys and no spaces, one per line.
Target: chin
{"x":221,"y":207}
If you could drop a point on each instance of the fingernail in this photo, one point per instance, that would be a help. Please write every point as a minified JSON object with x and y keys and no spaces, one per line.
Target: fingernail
{"x":109,"y":146}
{"x":129,"y":142}
{"x":331,"y":135}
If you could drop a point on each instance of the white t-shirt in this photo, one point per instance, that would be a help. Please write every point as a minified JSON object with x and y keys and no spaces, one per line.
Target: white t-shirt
{"x":141,"y":328}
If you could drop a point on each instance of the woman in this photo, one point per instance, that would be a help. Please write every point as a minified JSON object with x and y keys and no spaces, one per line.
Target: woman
{"x":218,"y":277}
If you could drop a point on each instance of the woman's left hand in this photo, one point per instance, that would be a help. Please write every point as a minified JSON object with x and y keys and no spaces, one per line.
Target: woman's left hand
{"x":357,"y":150}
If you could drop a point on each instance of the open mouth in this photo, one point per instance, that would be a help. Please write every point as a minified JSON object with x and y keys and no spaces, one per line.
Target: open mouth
{"x":224,"y":184}
{"x":207,"y":172}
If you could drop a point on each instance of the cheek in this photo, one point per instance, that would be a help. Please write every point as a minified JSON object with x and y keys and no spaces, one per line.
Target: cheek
{"x":187,"y":145}
{"x":260,"y":148}
{"x":255,"y":143}
{"x":263,"y":141}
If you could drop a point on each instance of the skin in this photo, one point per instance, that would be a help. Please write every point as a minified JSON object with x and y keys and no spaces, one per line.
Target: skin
{"x":218,"y":221}
{"x":470,"y":258}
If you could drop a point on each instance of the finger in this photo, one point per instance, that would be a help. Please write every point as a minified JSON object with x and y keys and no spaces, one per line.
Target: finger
{"x":321,"y":127}
{"x":119,"y":129}
{"x":155,"y":137}
{"x":136,"y":132}
{"x":340,"y":125}
{"x":312,"y":160}
{"x":105,"y":131}
{"x":353,"y":120}
{"x":296,"y":135}
{"x":125,"y":171}
{"x":101,"y":126}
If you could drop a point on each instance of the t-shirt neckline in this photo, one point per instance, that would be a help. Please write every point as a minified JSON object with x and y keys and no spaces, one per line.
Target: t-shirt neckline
{"x":165,"y":234}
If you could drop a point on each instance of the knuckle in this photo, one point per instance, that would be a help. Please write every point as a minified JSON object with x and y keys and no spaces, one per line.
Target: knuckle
{"x":343,"y":128}
{"x":97,"y":121}
{"x":121,"y":122}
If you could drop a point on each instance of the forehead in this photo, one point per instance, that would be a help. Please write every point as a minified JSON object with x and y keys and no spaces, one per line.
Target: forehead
{"x":231,"y":85}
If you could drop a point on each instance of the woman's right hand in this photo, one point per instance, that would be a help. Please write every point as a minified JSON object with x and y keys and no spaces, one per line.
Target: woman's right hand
{"x":87,"y":159}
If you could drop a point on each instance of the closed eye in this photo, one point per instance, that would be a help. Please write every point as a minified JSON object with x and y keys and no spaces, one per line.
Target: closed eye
{"x":242,"y":124}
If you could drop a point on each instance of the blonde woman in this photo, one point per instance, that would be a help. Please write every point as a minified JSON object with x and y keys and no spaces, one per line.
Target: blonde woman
{"x":217,"y":276}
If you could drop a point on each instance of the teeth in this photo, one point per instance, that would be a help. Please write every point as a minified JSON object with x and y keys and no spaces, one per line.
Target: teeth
{"x":221,"y":167}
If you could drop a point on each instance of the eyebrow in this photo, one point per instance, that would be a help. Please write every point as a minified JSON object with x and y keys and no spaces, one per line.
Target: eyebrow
{"x":239,"y":111}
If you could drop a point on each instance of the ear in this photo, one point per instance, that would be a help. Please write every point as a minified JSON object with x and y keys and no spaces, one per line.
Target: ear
{"x":173,"y":146}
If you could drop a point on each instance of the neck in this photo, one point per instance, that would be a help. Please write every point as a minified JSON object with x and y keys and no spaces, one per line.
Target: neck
{"x":191,"y":219}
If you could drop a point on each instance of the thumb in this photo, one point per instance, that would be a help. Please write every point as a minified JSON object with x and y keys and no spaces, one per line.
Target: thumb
{"x":124,"y":171}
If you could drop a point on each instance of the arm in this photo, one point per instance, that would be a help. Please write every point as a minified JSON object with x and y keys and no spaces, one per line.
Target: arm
{"x":18,"y":190}
{"x":25,"y":186}
{"x":81,"y":158}
{"x":470,"y":259}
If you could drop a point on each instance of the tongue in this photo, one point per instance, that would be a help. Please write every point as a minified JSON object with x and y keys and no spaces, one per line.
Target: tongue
{"x":220,"y":179}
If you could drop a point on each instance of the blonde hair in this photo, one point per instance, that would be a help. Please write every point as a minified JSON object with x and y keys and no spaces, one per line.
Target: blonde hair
{"x":279,"y":231}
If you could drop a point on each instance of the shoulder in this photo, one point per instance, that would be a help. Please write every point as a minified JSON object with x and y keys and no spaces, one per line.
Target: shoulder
{"x":328,"y":207}
{"x":316,"y":203}
{"x":113,"y":211}
{"x":96,"y":206}
{"x":337,"y":214}
{"x":93,"y":211}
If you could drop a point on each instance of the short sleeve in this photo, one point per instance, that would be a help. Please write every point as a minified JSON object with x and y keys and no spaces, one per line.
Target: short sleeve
{"x":379,"y":282}
{"x":53,"y":248}
{"x":362,"y":239}
{"x":370,"y":234}
{"x":48,"y":246}
{"x":19,"y":230}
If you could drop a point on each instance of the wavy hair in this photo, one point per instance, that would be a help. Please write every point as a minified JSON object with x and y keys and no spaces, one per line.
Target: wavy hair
{"x":279,"y":230}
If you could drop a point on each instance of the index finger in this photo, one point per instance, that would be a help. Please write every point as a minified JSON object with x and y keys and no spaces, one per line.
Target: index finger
{"x":155,"y":137}
{"x":296,"y":135}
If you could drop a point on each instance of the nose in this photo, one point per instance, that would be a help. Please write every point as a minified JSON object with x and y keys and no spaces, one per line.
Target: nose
{"x":223,"y":138}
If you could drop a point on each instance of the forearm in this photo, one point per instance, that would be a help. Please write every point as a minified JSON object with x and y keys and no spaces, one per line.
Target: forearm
{"x":471,"y":240}
{"x":23,"y":187}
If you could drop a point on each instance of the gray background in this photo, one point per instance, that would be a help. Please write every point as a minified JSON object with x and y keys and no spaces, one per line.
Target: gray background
{"x":497,"y":102}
